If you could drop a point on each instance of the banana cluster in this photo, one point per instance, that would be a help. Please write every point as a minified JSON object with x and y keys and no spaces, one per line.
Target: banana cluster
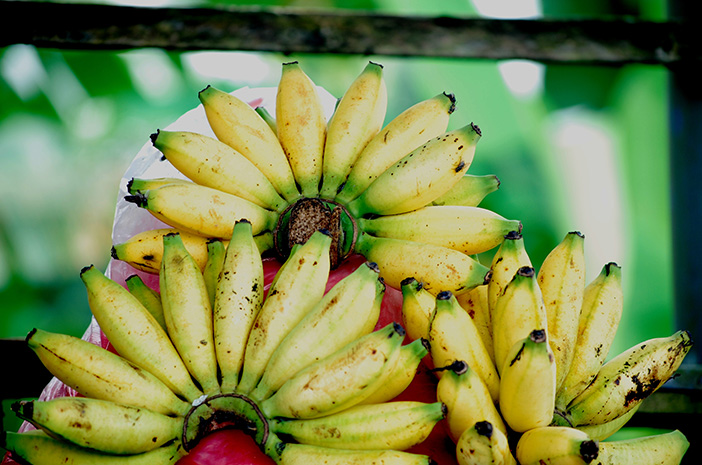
{"x":304,"y":371}
{"x":522,"y":360}
{"x":398,"y":194}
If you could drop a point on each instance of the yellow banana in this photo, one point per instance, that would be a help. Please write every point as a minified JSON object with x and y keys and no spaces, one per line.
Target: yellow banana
{"x":215,"y":258}
{"x":302,"y":127}
{"x":604,"y":430}
{"x":528,"y":383}
{"x":297,"y":287}
{"x":470,"y":190}
{"x":658,"y":449}
{"x":134,"y":332}
{"x":357,"y":119}
{"x":188,"y":313}
{"x":417,"y":307}
{"x":421,"y":176}
{"x":509,"y":257}
{"x":347,"y":311}
{"x":149,"y":298}
{"x":483,"y":444}
{"x":437,"y":268}
{"x":96,"y":372}
{"x":407,"y":131}
{"x":212,"y":163}
{"x":239,"y":298}
{"x":556,"y":445}
{"x":101,"y":425}
{"x":599,"y":318}
{"x":238,"y":125}
{"x":475,"y":302}
{"x":391,"y":425}
{"x":453,"y":336}
{"x":467,"y":400}
{"x":470,"y":230}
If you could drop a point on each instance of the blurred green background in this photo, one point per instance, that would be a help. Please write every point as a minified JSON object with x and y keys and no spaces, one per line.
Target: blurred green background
{"x":576,"y":148}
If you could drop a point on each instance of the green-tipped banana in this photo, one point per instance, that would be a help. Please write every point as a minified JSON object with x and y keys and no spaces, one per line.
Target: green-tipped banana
{"x":268,"y":118}
{"x":483,"y":444}
{"x":417,"y":308}
{"x":556,"y":445}
{"x":508,"y":258}
{"x":216,"y":251}
{"x":470,"y":190}
{"x":658,"y":449}
{"x":604,"y":430}
{"x":141,"y":185}
{"x":149,"y":298}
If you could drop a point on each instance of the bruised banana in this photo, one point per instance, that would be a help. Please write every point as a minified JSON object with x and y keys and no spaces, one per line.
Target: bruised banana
{"x":483,"y":444}
{"x":658,"y":449}
{"x":470,"y":190}
{"x":149,"y":298}
{"x":556,"y":445}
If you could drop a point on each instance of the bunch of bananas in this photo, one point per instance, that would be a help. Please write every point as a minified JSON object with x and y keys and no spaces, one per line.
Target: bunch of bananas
{"x":305,"y":372}
{"x":522,"y":360}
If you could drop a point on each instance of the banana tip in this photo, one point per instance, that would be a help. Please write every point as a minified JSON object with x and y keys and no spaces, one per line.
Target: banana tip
{"x":444,"y":295}
{"x":589,"y":450}
{"x":154,"y":136}
{"x":484,"y":428}
{"x":30,"y":334}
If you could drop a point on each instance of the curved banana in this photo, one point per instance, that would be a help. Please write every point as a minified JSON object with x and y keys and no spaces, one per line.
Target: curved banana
{"x":528,"y":383}
{"x":437,"y":268}
{"x":290,"y":453}
{"x":421,"y":176}
{"x":340,"y":380}
{"x":216,"y":251}
{"x":212,"y":163}
{"x":453,"y":336}
{"x":188,"y":313}
{"x":302,"y":127}
{"x":475,"y":302}
{"x":407,"y":131}
{"x":96,"y":372}
{"x":357,"y":119}
{"x":238,"y":125}
{"x":604,"y":430}
{"x":470,"y":190}
{"x":134,"y":332}
{"x":149,"y":298}
{"x":483,"y":444}
{"x":470,"y":230}
{"x":297,"y":287}
{"x":658,"y":449}
{"x":509,"y":257}
{"x":391,"y":425}
{"x":101,"y":425}
{"x":599,"y":319}
{"x":556,"y":445}
{"x":417,"y":308}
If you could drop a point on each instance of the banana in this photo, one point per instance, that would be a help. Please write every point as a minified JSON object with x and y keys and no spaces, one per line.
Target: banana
{"x":470,"y":190}
{"x":137,"y":185}
{"x":96,"y":372}
{"x":302,"y":127}
{"x":658,"y":449}
{"x":37,"y":448}
{"x":216,"y":251}
{"x":453,"y":336}
{"x":470,"y":230}
{"x":407,"y":131}
{"x":291,"y":453}
{"x":238,"y":125}
{"x":475,"y":302}
{"x":509,"y":257}
{"x":437,"y":268}
{"x":518,"y":311}
{"x":556,"y":445}
{"x":347,"y":311}
{"x":134,"y":332}
{"x":561,"y":280}
{"x":483,"y":444}
{"x":599,"y":318}
{"x":149,"y":298}
{"x":603,"y":431}
{"x":340,"y":380}
{"x":297,"y":287}
{"x":627,"y":379}
{"x":421,"y":176}
{"x":417,"y":308}
{"x":392,"y":425}
{"x":188,"y":313}
{"x":467,"y":399}
{"x":239,"y":298}
{"x":212,"y":163}
{"x":202,"y":210}
{"x":528,"y":383}
{"x":357,"y":119}
{"x":101,"y":425}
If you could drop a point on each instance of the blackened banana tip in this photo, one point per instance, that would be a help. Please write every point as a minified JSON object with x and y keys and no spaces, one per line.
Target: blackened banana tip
{"x":484,"y":428}
{"x":113,"y":253}
{"x":513,"y":235}
{"x":526,"y":271}
{"x":373,"y":266}
{"x":407,"y":281}
{"x":397,"y":327}
{"x":30,"y":334}
{"x":154,"y":136}
{"x":85,"y":269}
{"x":444,"y":295}
{"x":589,"y":450}
{"x":452,"y":99}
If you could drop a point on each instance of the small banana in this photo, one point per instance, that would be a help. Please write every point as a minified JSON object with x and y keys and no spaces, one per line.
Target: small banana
{"x":599,"y":319}
{"x":417,"y":308}
{"x":475,"y":302}
{"x":212,"y":163}
{"x":216,"y":251}
{"x":604,"y":430}
{"x":134,"y":332}
{"x":96,"y":372}
{"x":149,"y":298}
{"x":453,"y":336}
{"x":297,"y":287}
{"x":302,"y":127}
{"x":556,"y":445}
{"x":470,"y":230}
{"x":509,"y":257}
{"x":467,"y":400}
{"x":202,"y":210}
{"x":188,"y":313}
{"x":528,"y":383}
{"x":518,"y":311}
{"x":140,"y":185}
{"x":238,"y":125}
{"x":470,"y":190}
{"x":357,"y":119}
{"x":239,"y":298}
{"x":101,"y":425}
{"x":391,"y":425}
{"x":483,"y":444}
{"x":340,"y":380}
{"x":407,"y":131}
{"x":437,"y":268}
{"x":421,"y":176}
{"x":658,"y":449}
